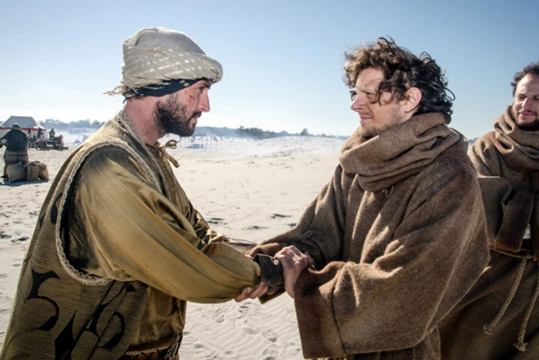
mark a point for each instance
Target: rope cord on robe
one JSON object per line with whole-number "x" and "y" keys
{"x": 488, "y": 329}
{"x": 521, "y": 345}
{"x": 388, "y": 191}
{"x": 171, "y": 144}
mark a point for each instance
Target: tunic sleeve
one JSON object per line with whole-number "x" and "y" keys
{"x": 122, "y": 228}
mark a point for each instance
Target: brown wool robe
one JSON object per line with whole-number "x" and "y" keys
{"x": 398, "y": 237}
{"x": 507, "y": 161}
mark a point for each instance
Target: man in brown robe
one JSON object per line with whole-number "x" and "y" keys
{"x": 397, "y": 237}
{"x": 499, "y": 318}
{"x": 119, "y": 248}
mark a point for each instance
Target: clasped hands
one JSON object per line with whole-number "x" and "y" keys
{"x": 293, "y": 261}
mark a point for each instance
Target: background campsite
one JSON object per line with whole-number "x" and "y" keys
{"x": 27, "y": 123}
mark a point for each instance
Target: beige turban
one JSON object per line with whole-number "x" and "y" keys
{"x": 153, "y": 56}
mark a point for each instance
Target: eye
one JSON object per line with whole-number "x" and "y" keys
{"x": 201, "y": 88}
{"x": 353, "y": 94}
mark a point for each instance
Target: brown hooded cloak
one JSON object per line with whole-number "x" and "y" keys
{"x": 499, "y": 318}
{"x": 398, "y": 237}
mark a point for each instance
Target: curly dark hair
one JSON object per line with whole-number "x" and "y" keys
{"x": 402, "y": 70}
{"x": 533, "y": 69}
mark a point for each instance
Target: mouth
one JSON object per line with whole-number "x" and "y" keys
{"x": 364, "y": 117}
{"x": 527, "y": 113}
{"x": 194, "y": 118}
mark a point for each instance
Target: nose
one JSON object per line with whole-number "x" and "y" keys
{"x": 357, "y": 103}
{"x": 204, "y": 102}
{"x": 526, "y": 104}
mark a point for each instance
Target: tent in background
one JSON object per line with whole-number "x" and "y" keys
{"x": 27, "y": 124}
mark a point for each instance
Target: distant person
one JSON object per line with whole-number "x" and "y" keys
{"x": 32, "y": 141}
{"x": 52, "y": 134}
{"x": 499, "y": 318}
{"x": 398, "y": 234}
{"x": 40, "y": 134}
{"x": 16, "y": 143}
{"x": 119, "y": 249}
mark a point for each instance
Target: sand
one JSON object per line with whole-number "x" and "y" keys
{"x": 246, "y": 189}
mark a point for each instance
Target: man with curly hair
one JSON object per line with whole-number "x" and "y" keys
{"x": 499, "y": 318}
{"x": 397, "y": 236}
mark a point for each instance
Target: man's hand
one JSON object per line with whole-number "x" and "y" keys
{"x": 294, "y": 262}
{"x": 248, "y": 292}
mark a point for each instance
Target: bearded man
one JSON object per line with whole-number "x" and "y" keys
{"x": 397, "y": 236}
{"x": 499, "y": 318}
{"x": 119, "y": 248}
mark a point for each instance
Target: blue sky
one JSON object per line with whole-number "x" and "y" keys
{"x": 282, "y": 60}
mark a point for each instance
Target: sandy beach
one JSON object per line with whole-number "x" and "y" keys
{"x": 249, "y": 189}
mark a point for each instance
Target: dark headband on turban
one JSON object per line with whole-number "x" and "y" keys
{"x": 164, "y": 88}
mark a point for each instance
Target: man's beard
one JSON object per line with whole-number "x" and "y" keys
{"x": 368, "y": 134}
{"x": 533, "y": 126}
{"x": 171, "y": 117}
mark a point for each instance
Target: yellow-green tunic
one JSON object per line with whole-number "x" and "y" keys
{"x": 117, "y": 251}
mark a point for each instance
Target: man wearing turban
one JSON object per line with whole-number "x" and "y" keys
{"x": 119, "y": 248}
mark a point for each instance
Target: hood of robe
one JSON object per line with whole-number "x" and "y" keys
{"x": 399, "y": 152}
{"x": 519, "y": 148}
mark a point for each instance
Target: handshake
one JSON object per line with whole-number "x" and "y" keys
{"x": 281, "y": 270}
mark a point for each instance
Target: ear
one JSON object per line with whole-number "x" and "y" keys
{"x": 413, "y": 98}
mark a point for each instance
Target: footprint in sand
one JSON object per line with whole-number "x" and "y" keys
{"x": 202, "y": 349}
{"x": 215, "y": 221}
{"x": 271, "y": 336}
{"x": 275, "y": 216}
{"x": 255, "y": 227}
{"x": 244, "y": 310}
{"x": 250, "y": 331}
{"x": 271, "y": 353}
{"x": 249, "y": 310}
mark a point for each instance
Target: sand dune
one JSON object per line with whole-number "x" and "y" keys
{"x": 246, "y": 189}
